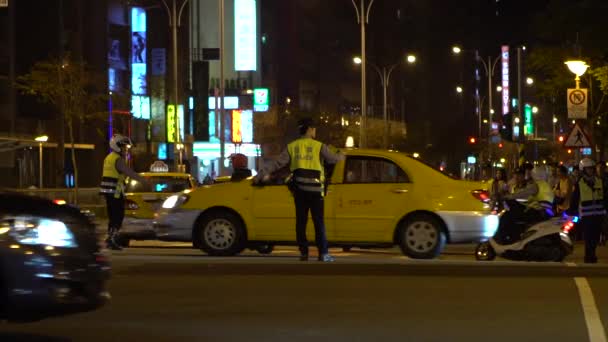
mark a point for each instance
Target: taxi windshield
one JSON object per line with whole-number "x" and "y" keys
{"x": 159, "y": 184}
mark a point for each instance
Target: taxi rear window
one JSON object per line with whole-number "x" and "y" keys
{"x": 159, "y": 184}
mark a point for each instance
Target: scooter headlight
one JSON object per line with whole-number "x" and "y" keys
{"x": 31, "y": 230}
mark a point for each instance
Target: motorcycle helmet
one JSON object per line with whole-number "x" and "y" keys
{"x": 118, "y": 141}
{"x": 239, "y": 161}
{"x": 586, "y": 162}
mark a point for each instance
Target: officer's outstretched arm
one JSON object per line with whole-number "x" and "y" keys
{"x": 122, "y": 167}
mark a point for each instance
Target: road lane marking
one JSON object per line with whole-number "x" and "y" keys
{"x": 570, "y": 264}
{"x": 595, "y": 329}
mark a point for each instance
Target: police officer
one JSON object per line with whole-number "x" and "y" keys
{"x": 305, "y": 157}
{"x": 589, "y": 194}
{"x": 115, "y": 170}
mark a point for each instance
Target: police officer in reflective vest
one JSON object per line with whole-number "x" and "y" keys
{"x": 305, "y": 157}
{"x": 589, "y": 194}
{"x": 115, "y": 170}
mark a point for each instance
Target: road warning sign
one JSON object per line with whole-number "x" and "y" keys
{"x": 577, "y": 103}
{"x": 577, "y": 138}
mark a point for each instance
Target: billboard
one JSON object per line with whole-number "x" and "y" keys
{"x": 505, "y": 79}
{"x": 261, "y": 99}
{"x": 245, "y": 35}
{"x": 140, "y": 107}
{"x": 138, "y": 51}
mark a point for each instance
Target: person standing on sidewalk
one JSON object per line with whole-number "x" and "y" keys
{"x": 589, "y": 194}
{"x": 305, "y": 157}
{"x": 115, "y": 171}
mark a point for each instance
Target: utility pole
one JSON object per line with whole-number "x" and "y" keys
{"x": 174, "y": 22}
{"x": 363, "y": 19}
{"x": 222, "y": 92}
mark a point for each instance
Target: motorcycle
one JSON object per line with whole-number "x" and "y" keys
{"x": 548, "y": 240}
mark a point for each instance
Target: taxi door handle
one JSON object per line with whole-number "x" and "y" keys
{"x": 400, "y": 191}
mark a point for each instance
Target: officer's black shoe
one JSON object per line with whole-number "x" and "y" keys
{"x": 326, "y": 258}
{"x": 304, "y": 257}
{"x": 111, "y": 244}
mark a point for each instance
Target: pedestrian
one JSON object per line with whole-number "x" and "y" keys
{"x": 305, "y": 157}
{"x": 562, "y": 190}
{"x": 115, "y": 171}
{"x": 603, "y": 175}
{"x": 499, "y": 188}
{"x": 239, "y": 167}
{"x": 589, "y": 194}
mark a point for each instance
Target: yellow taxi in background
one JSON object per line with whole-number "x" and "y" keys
{"x": 375, "y": 198}
{"x": 143, "y": 200}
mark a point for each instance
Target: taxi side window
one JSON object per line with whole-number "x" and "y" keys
{"x": 359, "y": 170}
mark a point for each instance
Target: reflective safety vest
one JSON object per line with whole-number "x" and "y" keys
{"x": 591, "y": 200}
{"x": 112, "y": 181}
{"x": 305, "y": 155}
{"x": 544, "y": 197}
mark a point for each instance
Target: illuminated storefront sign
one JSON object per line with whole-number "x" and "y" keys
{"x": 180, "y": 117}
{"x": 140, "y": 107}
{"x": 209, "y": 150}
{"x": 237, "y": 135}
{"x": 261, "y": 99}
{"x": 505, "y": 79}
{"x": 245, "y": 35}
{"x": 171, "y": 123}
{"x": 247, "y": 126}
{"x": 232, "y": 102}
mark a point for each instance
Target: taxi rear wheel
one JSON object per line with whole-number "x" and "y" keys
{"x": 422, "y": 237}
{"x": 220, "y": 234}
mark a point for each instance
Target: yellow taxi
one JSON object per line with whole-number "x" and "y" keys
{"x": 375, "y": 198}
{"x": 143, "y": 200}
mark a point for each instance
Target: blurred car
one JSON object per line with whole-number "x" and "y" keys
{"x": 50, "y": 260}
{"x": 375, "y": 199}
{"x": 143, "y": 200}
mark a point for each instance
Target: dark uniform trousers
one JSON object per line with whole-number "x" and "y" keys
{"x": 306, "y": 201}
{"x": 592, "y": 229}
{"x": 116, "y": 212}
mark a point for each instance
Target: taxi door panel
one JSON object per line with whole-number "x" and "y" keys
{"x": 274, "y": 215}
{"x": 374, "y": 195}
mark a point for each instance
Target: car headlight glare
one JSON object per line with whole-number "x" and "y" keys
{"x": 38, "y": 231}
{"x": 174, "y": 201}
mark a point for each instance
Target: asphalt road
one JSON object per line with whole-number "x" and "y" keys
{"x": 177, "y": 294}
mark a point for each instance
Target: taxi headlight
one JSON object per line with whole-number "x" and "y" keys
{"x": 175, "y": 201}
{"x": 31, "y": 230}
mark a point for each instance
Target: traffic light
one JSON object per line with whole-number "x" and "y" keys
{"x": 506, "y": 127}
{"x": 472, "y": 140}
{"x": 560, "y": 138}
{"x": 500, "y": 145}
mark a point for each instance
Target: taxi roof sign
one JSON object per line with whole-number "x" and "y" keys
{"x": 159, "y": 166}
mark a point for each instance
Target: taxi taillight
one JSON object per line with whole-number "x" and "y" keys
{"x": 131, "y": 205}
{"x": 481, "y": 195}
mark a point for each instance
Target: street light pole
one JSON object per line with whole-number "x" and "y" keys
{"x": 174, "y": 22}
{"x": 41, "y": 139}
{"x": 363, "y": 19}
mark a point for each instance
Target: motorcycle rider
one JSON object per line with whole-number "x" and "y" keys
{"x": 537, "y": 198}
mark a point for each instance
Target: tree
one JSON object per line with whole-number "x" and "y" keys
{"x": 77, "y": 92}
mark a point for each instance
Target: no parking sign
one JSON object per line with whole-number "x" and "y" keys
{"x": 577, "y": 103}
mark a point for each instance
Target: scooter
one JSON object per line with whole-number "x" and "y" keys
{"x": 544, "y": 241}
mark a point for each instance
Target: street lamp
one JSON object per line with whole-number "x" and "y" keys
{"x": 362, "y": 18}
{"x": 529, "y": 81}
{"x": 534, "y": 109}
{"x": 175, "y": 18}
{"x": 40, "y": 139}
{"x": 578, "y": 68}
{"x": 459, "y": 89}
{"x": 385, "y": 76}
{"x": 498, "y": 89}
{"x": 456, "y": 50}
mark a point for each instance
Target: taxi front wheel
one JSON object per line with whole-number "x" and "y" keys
{"x": 220, "y": 233}
{"x": 422, "y": 237}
